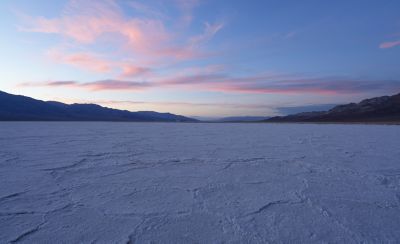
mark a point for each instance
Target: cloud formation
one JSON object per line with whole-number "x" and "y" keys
{"x": 262, "y": 84}
{"x": 86, "y": 61}
{"x": 323, "y": 85}
{"x": 101, "y": 85}
{"x": 209, "y": 32}
{"x": 389, "y": 44}
{"x": 148, "y": 39}
{"x": 95, "y": 63}
{"x": 86, "y": 21}
{"x": 145, "y": 45}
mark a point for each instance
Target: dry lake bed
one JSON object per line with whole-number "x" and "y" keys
{"x": 199, "y": 183}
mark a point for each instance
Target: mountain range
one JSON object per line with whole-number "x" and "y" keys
{"x": 22, "y": 108}
{"x": 378, "y": 109}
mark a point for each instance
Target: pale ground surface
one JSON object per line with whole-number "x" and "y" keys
{"x": 199, "y": 183}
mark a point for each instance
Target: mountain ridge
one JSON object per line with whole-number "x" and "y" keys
{"x": 23, "y": 108}
{"x": 377, "y": 109}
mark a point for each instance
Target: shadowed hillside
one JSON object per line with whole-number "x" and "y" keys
{"x": 379, "y": 109}
{"x": 21, "y": 108}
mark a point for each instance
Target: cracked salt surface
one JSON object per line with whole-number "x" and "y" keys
{"x": 199, "y": 183}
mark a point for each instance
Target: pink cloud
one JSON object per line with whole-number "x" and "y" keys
{"x": 82, "y": 21}
{"x": 263, "y": 84}
{"x": 143, "y": 43}
{"x": 140, "y": 34}
{"x": 130, "y": 71}
{"x": 95, "y": 85}
{"x": 86, "y": 61}
{"x": 389, "y": 44}
{"x": 85, "y": 22}
{"x": 95, "y": 63}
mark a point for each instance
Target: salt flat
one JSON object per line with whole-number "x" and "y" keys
{"x": 199, "y": 183}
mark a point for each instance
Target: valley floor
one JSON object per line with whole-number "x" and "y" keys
{"x": 199, "y": 183}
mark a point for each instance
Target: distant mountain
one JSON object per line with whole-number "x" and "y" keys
{"x": 21, "y": 108}
{"x": 302, "y": 109}
{"x": 379, "y": 109}
{"x": 241, "y": 119}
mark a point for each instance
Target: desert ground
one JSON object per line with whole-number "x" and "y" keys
{"x": 84, "y": 182}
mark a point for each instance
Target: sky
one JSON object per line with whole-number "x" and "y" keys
{"x": 210, "y": 58}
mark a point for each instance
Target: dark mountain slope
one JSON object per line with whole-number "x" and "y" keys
{"x": 379, "y": 109}
{"x": 21, "y": 108}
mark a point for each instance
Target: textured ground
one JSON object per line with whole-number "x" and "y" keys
{"x": 199, "y": 183}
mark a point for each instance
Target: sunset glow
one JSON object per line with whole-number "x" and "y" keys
{"x": 198, "y": 57}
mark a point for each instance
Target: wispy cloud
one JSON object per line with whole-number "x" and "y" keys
{"x": 142, "y": 39}
{"x": 143, "y": 44}
{"x": 282, "y": 84}
{"x": 86, "y": 21}
{"x": 209, "y": 32}
{"x": 94, "y": 86}
{"x": 262, "y": 84}
{"x": 52, "y": 83}
{"x": 98, "y": 64}
{"x": 146, "y": 10}
{"x": 391, "y": 44}
{"x": 322, "y": 85}
{"x": 115, "y": 85}
{"x": 86, "y": 61}
{"x": 131, "y": 71}
{"x": 386, "y": 45}
{"x": 302, "y": 85}
{"x": 186, "y": 7}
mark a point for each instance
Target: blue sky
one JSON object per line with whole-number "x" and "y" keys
{"x": 200, "y": 57}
